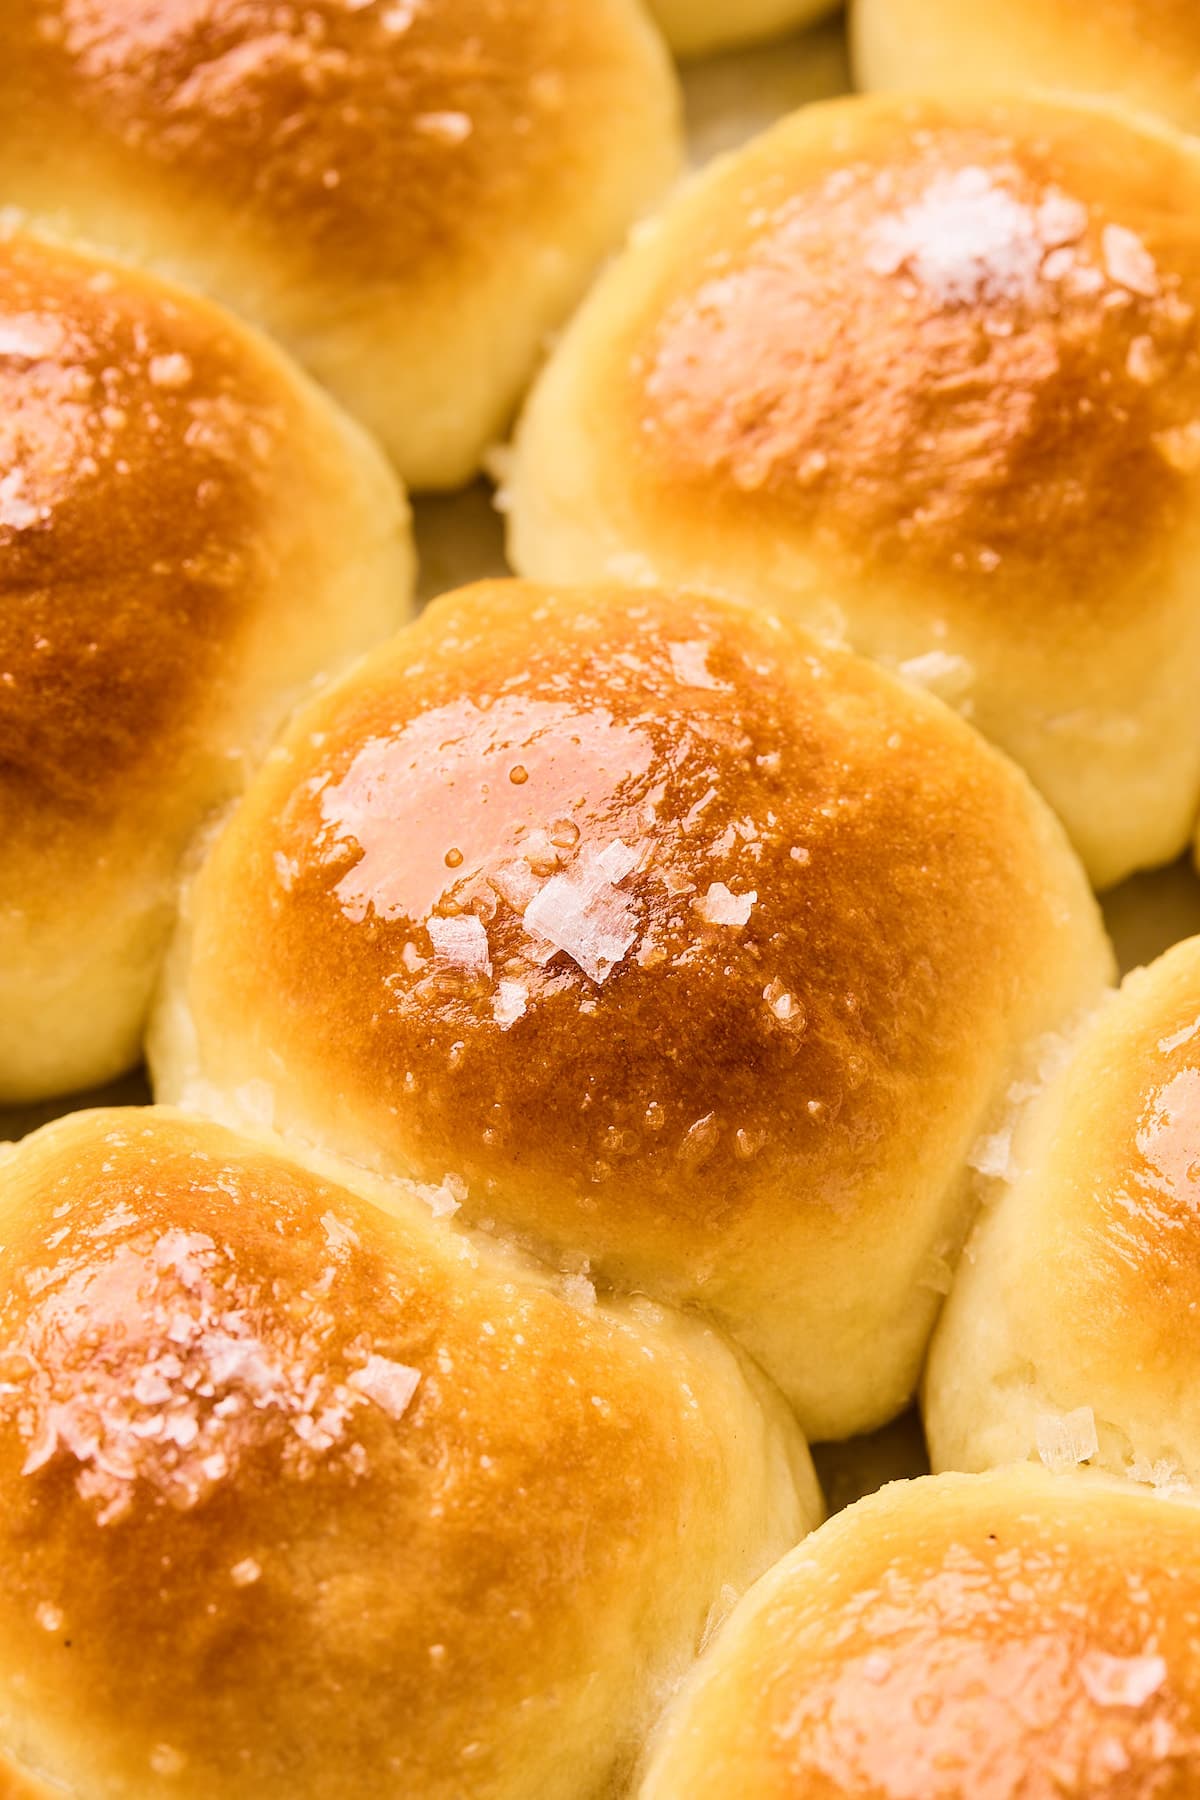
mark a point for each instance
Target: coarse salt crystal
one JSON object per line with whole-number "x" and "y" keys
{"x": 1178, "y": 1039}
{"x": 391, "y": 1385}
{"x": 1066, "y": 1439}
{"x": 1163, "y": 1475}
{"x": 510, "y": 1002}
{"x": 339, "y": 1236}
{"x": 461, "y": 941}
{"x": 173, "y": 370}
{"x": 446, "y": 127}
{"x": 965, "y": 239}
{"x": 581, "y": 912}
{"x": 940, "y": 670}
{"x": 689, "y": 664}
{"x": 720, "y": 906}
{"x": 992, "y": 1155}
{"x": 1121, "y": 1680}
{"x": 1128, "y": 261}
{"x": 579, "y": 1290}
{"x": 441, "y": 1197}
{"x": 617, "y": 860}
{"x": 16, "y": 511}
{"x": 1180, "y": 447}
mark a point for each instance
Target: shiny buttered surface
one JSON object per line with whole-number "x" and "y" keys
{"x": 408, "y": 195}
{"x": 925, "y": 374}
{"x": 1144, "y": 51}
{"x": 697, "y": 953}
{"x": 699, "y": 27}
{"x": 303, "y": 1492}
{"x": 964, "y": 1638}
{"x": 189, "y": 534}
{"x": 1071, "y": 1330}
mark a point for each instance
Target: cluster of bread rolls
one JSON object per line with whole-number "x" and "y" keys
{"x": 641, "y": 1017}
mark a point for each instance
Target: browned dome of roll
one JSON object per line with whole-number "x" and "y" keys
{"x": 189, "y": 532}
{"x": 964, "y": 1637}
{"x": 692, "y": 948}
{"x": 407, "y": 193}
{"x": 305, "y": 1496}
{"x": 926, "y": 373}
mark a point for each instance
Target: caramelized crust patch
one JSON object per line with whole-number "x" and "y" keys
{"x": 135, "y": 439}
{"x": 941, "y": 344}
{"x": 373, "y": 133}
{"x": 639, "y": 895}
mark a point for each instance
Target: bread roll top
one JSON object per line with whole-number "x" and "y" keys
{"x": 306, "y": 1495}
{"x": 959, "y": 1636}
{"x": 695, "y": 949}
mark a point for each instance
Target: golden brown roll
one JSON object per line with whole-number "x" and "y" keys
{"x": 1146, "y": 53}
{"x": 1071, "y": 1329}
{"x": 924, "y": 373}
{"x": 699, "y": 27}
{"x": 306, "y": 1495}
{"x": 958, "y": 1637}
{"x": 408, "y": 194}
{"x": 697, "y": 953}
{"x": 189, "y": 533}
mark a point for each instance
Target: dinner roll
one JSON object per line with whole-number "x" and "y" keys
{"x": 926, "y": 373}
{"x": 189, "y": 532}
{"x": 1071, "y": 1332}
{"x": 409, "y": 194}
{"x": 698, "y": 27}
{"x": 1150, "y": 54}
{"x": 959, "y": 1637}
{"x": 306, "y": 1495}
{"x": 698, "y": 953}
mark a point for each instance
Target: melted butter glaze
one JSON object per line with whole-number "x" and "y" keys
{"x": 962, "y": 344}
{"x": 134, "y": 442}
{"x": 1016, "y": 1638}
{"x": 370, "y": 133}
{"x": 632, "y": 895}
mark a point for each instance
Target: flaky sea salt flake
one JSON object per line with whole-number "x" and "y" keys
{"x": 509, "y": 1003}
{"x": 461, "y": 941}
{"x": 1066, "y": 1439}
{"x": 391, "y": 1385}
{"x": 720, "y": 906}
{"x": 581, "y": 912}
{"x": 1121, "y": 1680}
